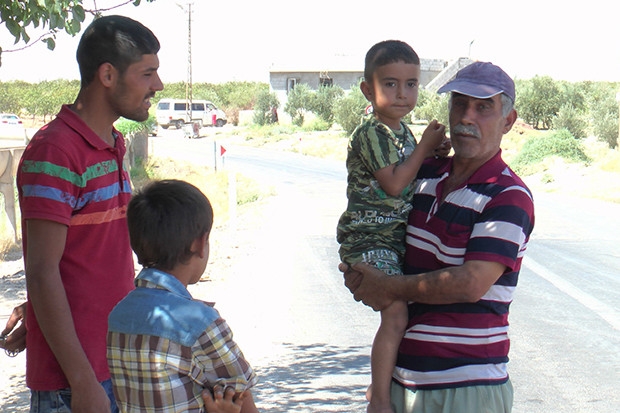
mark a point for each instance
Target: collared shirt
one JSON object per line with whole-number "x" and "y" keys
{"x": 164, "y": 348}
{"x": 70, "y": 176}
{"x": 489, "y": 218}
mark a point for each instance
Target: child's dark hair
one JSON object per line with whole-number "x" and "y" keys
{"x": 117, "y": 40}
{"x": 164, "y": 219}
{"x": 386, "y": 52}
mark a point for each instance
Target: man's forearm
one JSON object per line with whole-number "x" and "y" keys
{"x": 459, "y": 284}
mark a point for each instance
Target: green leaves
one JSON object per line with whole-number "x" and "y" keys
{"x": 56, "y": 15}
{"x": 51, "y": 43}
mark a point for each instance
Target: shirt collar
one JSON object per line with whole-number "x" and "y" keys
{"x": 153, "y": 278}
{"x": 76, "y": 123}
{"x": 487, "y": 173}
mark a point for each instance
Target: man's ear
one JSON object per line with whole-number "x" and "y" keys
{"x": 107, "y": 74}
{"x": 366, "y": 90}
{"x": 510, "y": 120}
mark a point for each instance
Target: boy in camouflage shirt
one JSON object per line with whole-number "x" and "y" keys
{"x": 382, "y": 162}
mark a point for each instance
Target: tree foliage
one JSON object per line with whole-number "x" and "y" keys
{"x": 53, "y": 16}
{"x": 538, "y": 101}
{"x": 323, "y": 101}
{"x": 299, "y": 101}
{"x": 604, "y": 113}
{"x": 432, "y": 106}
{"x": 350, "y": 109}
{"x": 265, "y": 102}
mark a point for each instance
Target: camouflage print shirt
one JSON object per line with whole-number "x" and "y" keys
{"x": 373, "y": 219}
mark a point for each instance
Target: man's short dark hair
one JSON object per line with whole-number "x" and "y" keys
{"x": 386, "y": 52}
{"x": 164, "y": 219}
{"x": 117, "y": 40}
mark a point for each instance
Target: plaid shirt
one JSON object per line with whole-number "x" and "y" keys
{"x": 164, "y": 348}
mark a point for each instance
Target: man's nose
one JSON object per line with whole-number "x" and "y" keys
{"x": 157, "y": 84}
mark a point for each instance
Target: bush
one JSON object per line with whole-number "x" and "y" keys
{"x": 129, "y": 127}
{"x": 432, "y": 106}
{"x": 349, "y": 109}
{"x": 604, "y": 113}
{"x": 265, "y": 101}
{"x": 299, "y": 101}
{"x": 323, "y": 101}
{"x": 559, "y": 143}
{"x": 572, "y": 120}
{"x": 317, "y": 125}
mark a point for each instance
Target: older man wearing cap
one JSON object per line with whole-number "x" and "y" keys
{"x": 470, "y": 224}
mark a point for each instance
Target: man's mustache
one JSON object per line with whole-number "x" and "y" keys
{"x": 466, "y": 130}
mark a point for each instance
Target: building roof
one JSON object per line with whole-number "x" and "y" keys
{"x": 341, "y": 64}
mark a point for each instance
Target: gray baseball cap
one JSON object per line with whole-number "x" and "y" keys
{"x": 481, "y": 80}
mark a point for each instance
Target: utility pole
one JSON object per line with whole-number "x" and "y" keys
{"x": 618, "y": 100}
{"x": 189, "y": 92}
{"x": 188, "y": 86}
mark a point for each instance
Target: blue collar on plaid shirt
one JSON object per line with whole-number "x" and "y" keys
{"x": 166, "y": 305}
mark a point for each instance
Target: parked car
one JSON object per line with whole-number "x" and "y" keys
{"x": 11, "y": 127}
{"x": 174, "y": 112}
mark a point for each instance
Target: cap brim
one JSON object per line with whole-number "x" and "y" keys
{"x": 475, "y": 90}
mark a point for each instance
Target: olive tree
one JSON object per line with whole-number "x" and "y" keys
{"x": 538, "y": 101}
{"x": 349, "y": 109}
{"x": 323, "y": 102}
{"x": 298, "y": 103}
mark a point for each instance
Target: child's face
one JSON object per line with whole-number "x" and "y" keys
{"x": 393, "y": 91}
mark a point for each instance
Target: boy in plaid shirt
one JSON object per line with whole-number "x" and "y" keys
{"x": 164, "y": 347}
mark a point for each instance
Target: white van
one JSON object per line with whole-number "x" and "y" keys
{"x": 174, "y": 112}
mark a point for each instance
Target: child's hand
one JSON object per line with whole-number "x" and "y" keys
{"x": 222, "y": 401}
{"x": 433, "y": 137}
{"x": 443, "y": 149}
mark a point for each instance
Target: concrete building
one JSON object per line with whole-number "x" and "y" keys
{"x": 347, "y": 72}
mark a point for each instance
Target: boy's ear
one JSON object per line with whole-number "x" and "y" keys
{"x": 200, "y": 246}
{"x": 366, "y": 90}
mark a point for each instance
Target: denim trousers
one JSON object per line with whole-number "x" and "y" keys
{"x": 59, "y": 401}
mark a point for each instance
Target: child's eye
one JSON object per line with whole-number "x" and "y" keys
{"x": 390, "y": 84}
{"x": 412, "y": 84}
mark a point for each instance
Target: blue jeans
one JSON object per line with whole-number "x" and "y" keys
{"x": 59, "y": 401}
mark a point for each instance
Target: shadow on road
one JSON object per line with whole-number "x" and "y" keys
{"x": 315, "y": 378}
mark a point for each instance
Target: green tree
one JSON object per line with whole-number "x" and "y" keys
{"x": 11, "y": 96}
{"x": 432, "y": 106}
{"x": 265, "y": 101}
{"x": 298, "y": 103}
{"x": 538, "y": 101}
{"x": 571, "y": 119}
{"x": 58, "y": 15}
{"x": 239, "y": 94}
{"x": 349, "y": 109}
{"x": 323, "y": 101}
{"x": 604, "y": 113}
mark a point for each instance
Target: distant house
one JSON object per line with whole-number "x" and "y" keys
{"x": 345, "y": 72}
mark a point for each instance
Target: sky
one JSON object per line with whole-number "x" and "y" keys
{"x": 241, "y": 39}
